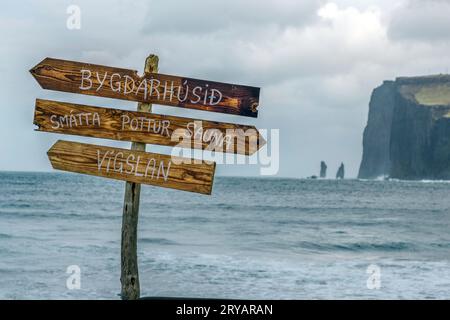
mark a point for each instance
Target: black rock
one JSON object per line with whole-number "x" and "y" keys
{"x": 340, "y": 174}
{"x": 323, "y": 169}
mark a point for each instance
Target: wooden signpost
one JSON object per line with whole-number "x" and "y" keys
{"x": 129, "y": 270}
{"x": 125, "y": 84}
{"x": 75, "y": 119}
{"x": 132, "y": 165}
{"x": 136, "y": 166}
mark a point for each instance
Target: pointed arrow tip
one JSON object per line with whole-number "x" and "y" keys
{"x": 36, "y": 67}
{"x": 253, "y": 148}
{"x": 53, "y": 147}
{"x": 261, "y": 142}
{"x": 35, "y": 70}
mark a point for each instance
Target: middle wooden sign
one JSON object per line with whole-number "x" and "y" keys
{"x": 122, "y": 125}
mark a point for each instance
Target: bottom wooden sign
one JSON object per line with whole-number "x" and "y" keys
{"x": 134, "y": 166}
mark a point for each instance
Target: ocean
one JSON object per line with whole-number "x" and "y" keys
{"x": 254, "y": 238}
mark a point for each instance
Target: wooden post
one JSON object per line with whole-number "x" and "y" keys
{"x": 129, "y": 264}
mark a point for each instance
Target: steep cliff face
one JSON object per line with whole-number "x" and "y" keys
{"x": 408, "y": 130}
{"x": 377, "y": 134}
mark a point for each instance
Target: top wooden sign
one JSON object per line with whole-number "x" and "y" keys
{"x": 125, "y": 84}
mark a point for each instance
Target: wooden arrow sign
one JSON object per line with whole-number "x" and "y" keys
{"x": 134, "y": 166}
{"x": 125, "y": 84}
{"x": 69, "y": 118}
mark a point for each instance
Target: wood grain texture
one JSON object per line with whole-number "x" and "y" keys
{"x": 107, "y": 123}
{"x": 134, "y": 166}
{"x": 125, "y": 84}
{"x": 129, "y": 271}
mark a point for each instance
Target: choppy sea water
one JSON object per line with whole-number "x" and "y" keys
{"x": 253, "y": 238}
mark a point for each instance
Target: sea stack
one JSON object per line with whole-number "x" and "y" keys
{"x": 341, "y": 172}
{"x": 323, "y": 169}
{"x": 408, "y": 130}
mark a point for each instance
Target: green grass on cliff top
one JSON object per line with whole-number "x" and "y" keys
{"x": 434, "y": 95}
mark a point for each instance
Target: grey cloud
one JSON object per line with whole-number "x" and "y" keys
{"x": 315, "y": 74}
{"x": 203, "y": 16}
{"x": 421, "y": 20}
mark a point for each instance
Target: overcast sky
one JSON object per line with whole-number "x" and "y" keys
{"x": 316, "y": 62}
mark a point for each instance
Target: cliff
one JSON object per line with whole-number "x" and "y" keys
{"x": 408, "y": 130}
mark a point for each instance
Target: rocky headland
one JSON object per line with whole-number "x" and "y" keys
{"x": 408, "y": 130}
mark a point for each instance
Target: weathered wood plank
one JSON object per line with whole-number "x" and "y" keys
{"x": 125, "y": 84}
{"x": 134, "y": 166}
{"x": 75, "y": 119}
